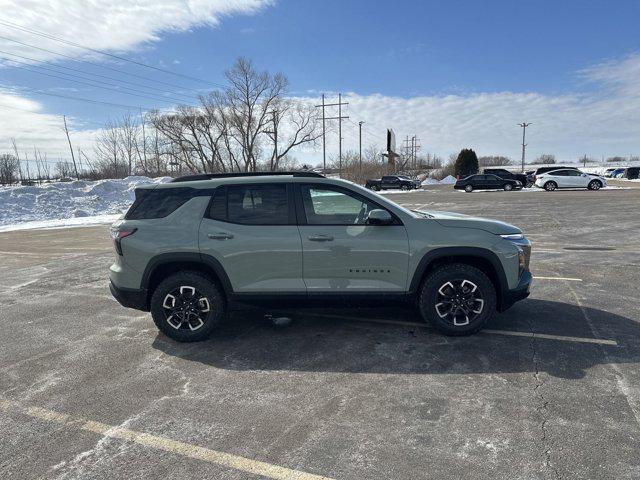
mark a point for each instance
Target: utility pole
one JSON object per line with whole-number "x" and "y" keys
{"x": 360, "y": 146}
{"x": 73, "y": 158}
{"x": 324, "y": 145}
{"x": 524, "y": 126}
{"x": 340, "y": 117}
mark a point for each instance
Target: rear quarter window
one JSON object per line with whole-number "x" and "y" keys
{"x": 158, "y": 203}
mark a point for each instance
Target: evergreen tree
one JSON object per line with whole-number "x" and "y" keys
{"x": 466, "y": 163}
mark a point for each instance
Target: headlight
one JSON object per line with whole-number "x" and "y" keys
{"x": 524, "y": 250}
{"x": 513, "y": 236}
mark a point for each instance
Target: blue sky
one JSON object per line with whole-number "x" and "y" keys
{"x": 455, "y": 73}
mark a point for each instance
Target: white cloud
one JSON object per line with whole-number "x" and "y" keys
{"x": 602, "y": 121}
{"x": 114, "y": 25}
{"x": 595, "y": 121}
{"x": 24, "y": 120}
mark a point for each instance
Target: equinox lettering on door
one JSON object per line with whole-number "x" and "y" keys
{"x": 369, "y": 270}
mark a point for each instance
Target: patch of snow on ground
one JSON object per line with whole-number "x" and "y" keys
{"x": 68, "y": 203}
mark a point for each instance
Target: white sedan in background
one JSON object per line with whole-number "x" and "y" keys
{"x": 569, "y": 178}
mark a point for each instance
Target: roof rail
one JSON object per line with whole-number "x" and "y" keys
{"x": 211, "y": 176}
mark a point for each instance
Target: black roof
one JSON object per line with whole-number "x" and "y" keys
{"x": 210, "y": 176}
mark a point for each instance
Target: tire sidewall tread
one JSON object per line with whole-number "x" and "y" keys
{"x": 428, "y": 290}
{"x": 203, "y": 284}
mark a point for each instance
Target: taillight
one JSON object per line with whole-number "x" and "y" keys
{"x": 118, "y": 233}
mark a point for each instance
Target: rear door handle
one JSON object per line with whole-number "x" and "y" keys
{"x": 220, "y": 236}
{"x": 321, "y": 238}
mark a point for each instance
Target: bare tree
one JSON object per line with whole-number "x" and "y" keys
{"x": 128, "y": 137}
{"x": 545, "y": 158}
{"x": 107, "y": 151}
{"x": 233, "y": 129}
{"x": 9, "y": 167}
{"x": 494, "y": 161}
{"x": 65, "y": 169}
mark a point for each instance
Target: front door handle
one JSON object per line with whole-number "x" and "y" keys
{"x": 220, "y": 236}
{"x": 321, "y": 238}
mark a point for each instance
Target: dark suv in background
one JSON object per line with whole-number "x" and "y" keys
{"x": 393, "y": 182}
{"x": 486, "y": 182}
{"x": 523, "y": 178}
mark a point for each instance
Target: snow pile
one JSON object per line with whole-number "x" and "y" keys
{"x": 448, "y": 180}
{"x": 429, "y": 181}
{"x": 66, "y": 200}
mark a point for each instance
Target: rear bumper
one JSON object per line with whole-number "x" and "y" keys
{"x": 521, "y": 292}
{"x": 129, "y": 298}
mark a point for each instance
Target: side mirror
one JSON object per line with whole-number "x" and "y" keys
{"x": 379, "y": 217}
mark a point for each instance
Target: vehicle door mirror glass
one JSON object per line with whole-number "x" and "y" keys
{"x": 379, "y": 217}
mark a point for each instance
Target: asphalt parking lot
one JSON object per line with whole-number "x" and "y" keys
{"x": 550, "y": 390}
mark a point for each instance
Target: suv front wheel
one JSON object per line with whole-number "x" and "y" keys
{"x": 457, "y": 299}
{"x": 187, "y": 306}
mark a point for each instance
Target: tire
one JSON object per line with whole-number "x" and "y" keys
{"x": 529, "y": 185}
{"x": 404, "y": 187}
{"x": 508, "y": 187}
{"x": 468, "y": 188}
{"x": 594, "y": 185}
{"x": 470, "y": 317}
{"x": 197, "y": 319}
{"x": 550, "y": 186}
{"x": 375, "y": 188}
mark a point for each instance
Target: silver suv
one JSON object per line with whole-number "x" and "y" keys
{"x": 187, "y": 250}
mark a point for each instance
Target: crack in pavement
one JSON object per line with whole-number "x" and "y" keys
{"x": 542, "y": 408}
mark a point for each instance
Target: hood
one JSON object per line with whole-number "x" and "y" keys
{"x": 459, "y": 220}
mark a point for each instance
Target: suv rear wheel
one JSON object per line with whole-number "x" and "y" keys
{"x": 550, "y": 186}
{"x": 187, "y": 306}
{"x": 457, "y": 299}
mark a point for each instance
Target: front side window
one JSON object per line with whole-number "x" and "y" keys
{"x": 327, "y": 206}
{"x": 259, "y": 204}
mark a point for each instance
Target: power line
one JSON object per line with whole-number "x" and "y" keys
{"x": 90, "y": 62}
{"x": 94, "y": 83}
{"x": 101, "y": 52}
{"x": 80, "y": 99}
{"x": 340, "y": 117}
{"x": 149, "y": 87}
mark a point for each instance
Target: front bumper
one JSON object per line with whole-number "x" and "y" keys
{"x": 130, "y": 298}
{"x": 522, "y": 291}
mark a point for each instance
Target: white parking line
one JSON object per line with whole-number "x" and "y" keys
{"x": 563, "y": 338}
{"x": 569, "y": 279}
{"x": 254, "y": 467}
{"x": 513, "y": 333}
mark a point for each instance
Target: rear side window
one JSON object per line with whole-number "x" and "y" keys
{"x": 158, "y": 203}
{"x": 258, "y": 204}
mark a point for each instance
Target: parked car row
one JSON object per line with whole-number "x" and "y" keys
{"x": 549, "y": 178}
{"x": 630, "y": 173}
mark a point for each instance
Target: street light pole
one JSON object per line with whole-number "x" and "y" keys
{"x": 524, "y": 126}
{"x": 360, "y": 142}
